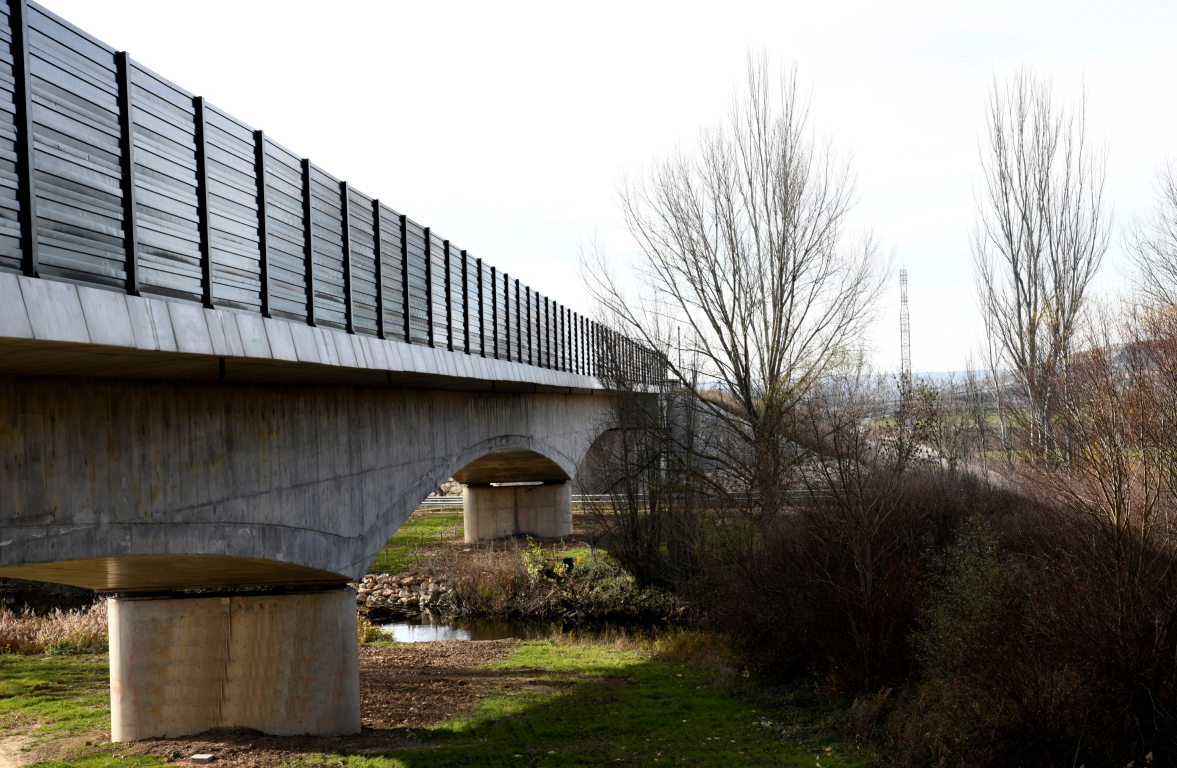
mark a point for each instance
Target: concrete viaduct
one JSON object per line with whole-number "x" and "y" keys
{"x": 221, "y": 368}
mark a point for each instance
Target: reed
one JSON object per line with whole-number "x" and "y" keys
{"x": 58, "y": 632}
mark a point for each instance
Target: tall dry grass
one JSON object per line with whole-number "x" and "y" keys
{"x": 56, "y": 632}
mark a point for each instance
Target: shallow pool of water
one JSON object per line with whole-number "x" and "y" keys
{"x": 428, "y": 627}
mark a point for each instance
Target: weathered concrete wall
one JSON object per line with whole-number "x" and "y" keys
{"x": 493, "y": 512}
{"x": 136, "y": 484}
{"x": 283, "y": 664}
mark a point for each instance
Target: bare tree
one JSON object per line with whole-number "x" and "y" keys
{"x": 1041, "y": 234}
{"x": 1152, "y": 243}
{"x": 744, "y": 245}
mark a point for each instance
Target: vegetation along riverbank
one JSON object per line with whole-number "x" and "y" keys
{"x": 681, "y": 699}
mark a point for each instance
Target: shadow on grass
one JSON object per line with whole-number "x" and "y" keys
{"x": 584, "y": 705}
{"x": 552, "y": 704}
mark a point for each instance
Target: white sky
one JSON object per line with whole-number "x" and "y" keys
{"x": 505, "y": 126}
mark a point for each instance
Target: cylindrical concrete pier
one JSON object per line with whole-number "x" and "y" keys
{"x": 283, "y": 664}
{"x": 491, "y": 512}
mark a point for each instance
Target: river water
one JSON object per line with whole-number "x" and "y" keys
{"x": 428, "y": 627}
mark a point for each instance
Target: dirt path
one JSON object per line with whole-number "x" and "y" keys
{"x": 10, "y": 754}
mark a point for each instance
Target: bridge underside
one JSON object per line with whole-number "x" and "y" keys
{"x": 134, "y": 484}
{"x": 154, "y": 573}
{"x": 511, "y": 465}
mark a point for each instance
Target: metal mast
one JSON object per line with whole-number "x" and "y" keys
{"x": 904, "y": 327}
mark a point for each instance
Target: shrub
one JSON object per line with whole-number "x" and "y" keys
{"x": 366, "y": 631}
{"x": 836, "y": 592}
{"x": 524, "y": 582}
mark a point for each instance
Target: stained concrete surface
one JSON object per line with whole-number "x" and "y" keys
{"x": 285, "y": 665}
{"x": 537, "y": 510}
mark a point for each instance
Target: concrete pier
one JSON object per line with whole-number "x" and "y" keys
{"x": 491, "y": 512}
{"x": 283, "y": 664}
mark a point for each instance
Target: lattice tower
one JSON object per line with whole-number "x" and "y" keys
{"x": 904, "y": 326}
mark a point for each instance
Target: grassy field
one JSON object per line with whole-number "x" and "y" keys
{"x": 610, "y": 705}
{"x": 56, "y": 702}
{"x": 411, "y": 544}
{"x": 421, "y": 536}
{"x": 619, "y": 707}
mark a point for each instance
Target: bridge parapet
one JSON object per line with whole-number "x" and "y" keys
{"x": 54, "y": 328}
{"x": 129, "y": 184}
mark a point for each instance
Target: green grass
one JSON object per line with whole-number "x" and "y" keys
{"x": 411, "y": 542}
{"x": 618, "y": 707}
{"x": 56, "y": 697}
{"x": 606, "y": 706}
{"x": 63, "y": 694}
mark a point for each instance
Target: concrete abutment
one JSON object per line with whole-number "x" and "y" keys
{"x": 491, "y": 512}
{"x": 284, "y": 664}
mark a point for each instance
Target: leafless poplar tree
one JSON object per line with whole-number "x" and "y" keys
{"x": 1152, "y": 243}
{"x": 1041, "y": 234}
{"x": 744, "y": 245}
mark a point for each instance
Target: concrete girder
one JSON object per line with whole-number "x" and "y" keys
{"x": 146, "y": 484}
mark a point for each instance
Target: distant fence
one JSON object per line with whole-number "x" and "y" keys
{"x": 791, "y": 497}
{"x": 456, "y": 501}
{"x": 112, "y": 176}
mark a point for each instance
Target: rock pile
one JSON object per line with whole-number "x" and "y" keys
{"x": 404, "y": 592}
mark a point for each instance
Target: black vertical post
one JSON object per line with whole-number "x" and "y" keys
{"x": 606, "y": 348}
{"x": 263, "y": 226}
{"x": 308, "y": 245}
{"x": 26, "y": 189}
{"x": 345, "y": 220}
{"x": 429, "y": 285}
{"x": 405, "y": 278}
{"x": 126, "y": 145}
{"x": 494, "y": 310}
{"x": 598, "y": 341}
{"x": 449, "y": 298}
{"x": 507, "y": 311}
{"x": 377, "y": 248}
{"x": 202, "y": 217}
{"x": 518, "y": 326}
{"x": 531, "y": 340}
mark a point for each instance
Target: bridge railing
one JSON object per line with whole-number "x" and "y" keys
{"x": 111, "y": 176}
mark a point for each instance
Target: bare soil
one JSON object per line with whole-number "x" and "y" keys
{"x": 403, "y": 690}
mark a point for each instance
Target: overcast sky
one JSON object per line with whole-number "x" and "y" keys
{"x": 506, "y": 126}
